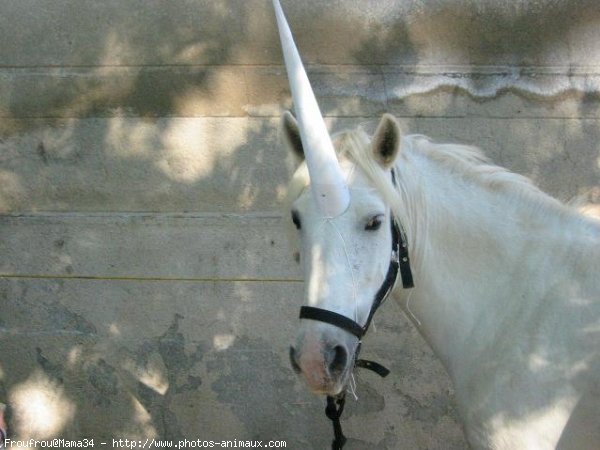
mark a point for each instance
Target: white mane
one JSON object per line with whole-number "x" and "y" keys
{"x": 408, "y": 199}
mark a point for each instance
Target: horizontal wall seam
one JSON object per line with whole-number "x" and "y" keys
{"x": 552, "y": 69}
{"x": 398, "y": 115}
{"x": 252, "y": 215}
{"x": 15, "y": 276}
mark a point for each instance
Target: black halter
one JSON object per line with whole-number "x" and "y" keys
{"x": 399, "y": 264}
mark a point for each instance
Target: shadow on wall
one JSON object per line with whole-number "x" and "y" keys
{"x": 129, "y": 124}
{"x": 451, "y": 32}
{"x": 128, "y": 164}
{"x": 126, "y": 86}
{"x": 519, "y": 124}
{"x": 521, "y": 33}
{"x": 105, "y": 146}
{"x": 135, "y": 372}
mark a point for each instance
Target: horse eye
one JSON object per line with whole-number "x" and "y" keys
{"x": 374, "y": 223}
{"x": 296, "y": 219}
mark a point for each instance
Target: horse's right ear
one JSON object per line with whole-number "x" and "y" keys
{"x": 385, "y": 144}
{"x": 291, "y": 135}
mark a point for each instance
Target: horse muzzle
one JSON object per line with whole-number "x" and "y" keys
{"x": 325, "y": 365}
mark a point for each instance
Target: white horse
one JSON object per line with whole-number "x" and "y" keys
{"x": 507, "y": 284}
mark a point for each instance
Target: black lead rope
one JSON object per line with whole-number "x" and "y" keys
{"x": 399, "y": 264}
{"x": 334, "y": 410}
{"x": 335, "y": 405}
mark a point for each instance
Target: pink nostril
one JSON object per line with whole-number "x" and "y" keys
{"x": 337, "y": 358}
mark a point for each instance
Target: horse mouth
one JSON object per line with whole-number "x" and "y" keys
{"x": 332, "y": 390}
{"x": 327, "y": 375}
{"x": 331, "y": 386}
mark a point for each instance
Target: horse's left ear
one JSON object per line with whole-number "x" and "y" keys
{"x": 291, "y": 134}
{"x": 385, "y": 144}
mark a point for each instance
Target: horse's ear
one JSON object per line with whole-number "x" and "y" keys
{"x": 385, "y": 144}
{"x": 291, "y": 135}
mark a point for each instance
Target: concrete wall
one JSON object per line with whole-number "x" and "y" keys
{"x": 146, "y": 288}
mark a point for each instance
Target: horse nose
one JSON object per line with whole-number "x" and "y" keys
{"x": 336, "y": 359}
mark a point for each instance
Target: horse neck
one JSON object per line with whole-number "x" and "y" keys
{"x": 475, "y": 251}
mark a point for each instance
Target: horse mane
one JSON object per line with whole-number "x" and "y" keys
{"x": 408, "y": 200}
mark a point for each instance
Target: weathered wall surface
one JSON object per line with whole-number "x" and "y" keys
{"x": 146, "y": 288}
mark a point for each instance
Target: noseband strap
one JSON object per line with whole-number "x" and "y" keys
{"x": 399, "y": 264}
{"x": 340, "y": 321}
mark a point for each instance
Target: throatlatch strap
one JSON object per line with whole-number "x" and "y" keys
{"x": 404, "y": 262}
{"x": 401, "y": 246}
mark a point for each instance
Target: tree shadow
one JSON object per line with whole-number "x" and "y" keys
{"x": 116, "y": 120}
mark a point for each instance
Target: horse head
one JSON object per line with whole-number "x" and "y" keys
{"x": 343, "y": 224}
{"x": 345, "y": 258}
